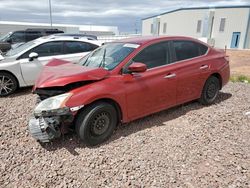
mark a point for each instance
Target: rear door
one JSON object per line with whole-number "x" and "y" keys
{"x": 155, "y": 89}
{"x": 192, "y": 68}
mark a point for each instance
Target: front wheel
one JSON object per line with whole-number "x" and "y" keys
{"x": 96, "y": 123}
{"x": 8, "y": 84}
{"x": 210, "y": 90}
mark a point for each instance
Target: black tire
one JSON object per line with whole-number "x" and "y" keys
{"x": 96, "y": 123}
{"x": 210, "y": 91}
{"x": 8, "y": 84}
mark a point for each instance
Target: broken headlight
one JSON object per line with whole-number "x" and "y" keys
{"x": 52, "y": 103}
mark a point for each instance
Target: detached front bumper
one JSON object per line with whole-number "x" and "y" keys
{"x": 49, "y": 125}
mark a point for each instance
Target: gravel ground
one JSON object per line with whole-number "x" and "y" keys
{"x": 186, "y": 146}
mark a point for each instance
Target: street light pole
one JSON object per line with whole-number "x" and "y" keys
{"x": 50, "y": 13}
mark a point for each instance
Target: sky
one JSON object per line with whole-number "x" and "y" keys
{"x": 126, "y": 14}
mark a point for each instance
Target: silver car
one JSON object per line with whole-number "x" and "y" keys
{"x": 21, "y": 66}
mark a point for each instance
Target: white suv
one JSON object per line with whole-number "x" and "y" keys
{"x": 21, "y": 66}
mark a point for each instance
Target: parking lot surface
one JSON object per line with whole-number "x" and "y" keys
{"x": 188, "y": 146}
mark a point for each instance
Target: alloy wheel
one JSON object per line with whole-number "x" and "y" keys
{"x": 6, "y": 85}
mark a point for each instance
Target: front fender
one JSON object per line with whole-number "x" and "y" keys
{"x": 96, "y": 91}
{"x": 15, "y": 69}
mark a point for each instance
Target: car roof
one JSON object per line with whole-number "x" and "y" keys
{"x": 147, "y": 39}
{"x": 50, "y": 38}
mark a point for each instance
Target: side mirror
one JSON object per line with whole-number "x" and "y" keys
{"x": 137, "y": 67}
{"x": 32, "y": 56}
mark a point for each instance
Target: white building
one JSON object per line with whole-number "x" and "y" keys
{"x": 7, "y": 26}
{"x": 219, "y": 26}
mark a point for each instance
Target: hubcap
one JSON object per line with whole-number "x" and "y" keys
{"x": 211, "y": 90}
{"x": 100, "y": 123}
{"x": 6, "y": 85}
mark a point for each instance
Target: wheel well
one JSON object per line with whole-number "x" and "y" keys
{"x": 113, "y": 103}
{"x": 8, "y": 72}
{"x": 217, "y": 75}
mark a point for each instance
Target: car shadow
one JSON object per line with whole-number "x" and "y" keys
{"x": 71, "y": 142}
{"x": 21, "y": 91}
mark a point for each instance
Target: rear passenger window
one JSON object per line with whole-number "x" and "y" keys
{"x": 78, "y": 47}
{"x": 154, "y": 55}
{"x": 188, "y": 49}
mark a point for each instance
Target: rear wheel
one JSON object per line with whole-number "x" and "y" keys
{"x": 96, "y": 123}
{"x": 8, "y": 84}
{"x": 210, "y": 90}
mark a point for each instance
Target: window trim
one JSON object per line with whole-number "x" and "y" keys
{"x": 181, "y": 61}
{"x": 172, "y": 55}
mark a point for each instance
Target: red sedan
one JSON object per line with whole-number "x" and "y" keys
{"x": 122, "y": 81}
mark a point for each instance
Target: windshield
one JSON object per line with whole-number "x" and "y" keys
{"x": 109, "y": 55}
{"x": 5, "y": 37}
{"x": 19, "y": 49}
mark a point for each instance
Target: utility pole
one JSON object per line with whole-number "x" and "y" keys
{"x": 50, "y": 14}
{"x": 136, "y": 29}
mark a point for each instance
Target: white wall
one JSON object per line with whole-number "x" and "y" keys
{"x": 146, "y": 26}
{"x": 236, "y": 21}
{"x": 184, "y": 23}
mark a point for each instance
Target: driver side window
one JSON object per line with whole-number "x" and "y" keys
{"x": 154, "y": 56}
{"x": 46, "y": 49}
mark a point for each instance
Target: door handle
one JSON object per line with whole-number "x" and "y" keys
{"x": 204, "y": 67}
{"x": 170, "y": 76}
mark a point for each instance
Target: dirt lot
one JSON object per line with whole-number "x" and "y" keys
{"x": 239, "y": 62}
{"x": 187, "y": 146}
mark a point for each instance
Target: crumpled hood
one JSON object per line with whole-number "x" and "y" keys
{"x": 60, "y": 73}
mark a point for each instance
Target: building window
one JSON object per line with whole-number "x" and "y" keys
{"x": 152, "y": 29}
{"x": 222, "y": 24}
{"x": 198, "y": 30}
{"x": 165, "y": 28}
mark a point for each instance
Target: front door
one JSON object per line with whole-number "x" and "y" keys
{"x": 46, "y": 52}
{"x": 155, "y": 89}
{"x": 235, "y": 40}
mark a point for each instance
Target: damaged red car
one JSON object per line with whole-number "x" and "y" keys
{"x": 122, "y": 81}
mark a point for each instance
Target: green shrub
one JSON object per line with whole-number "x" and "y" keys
{"x": 240, "y": 78}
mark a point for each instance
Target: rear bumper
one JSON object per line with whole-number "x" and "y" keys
{"x": 225, "y": 74}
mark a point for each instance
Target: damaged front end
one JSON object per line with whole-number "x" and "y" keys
{"x": 49, "y": 125}
{"x": 51, "y": 118}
